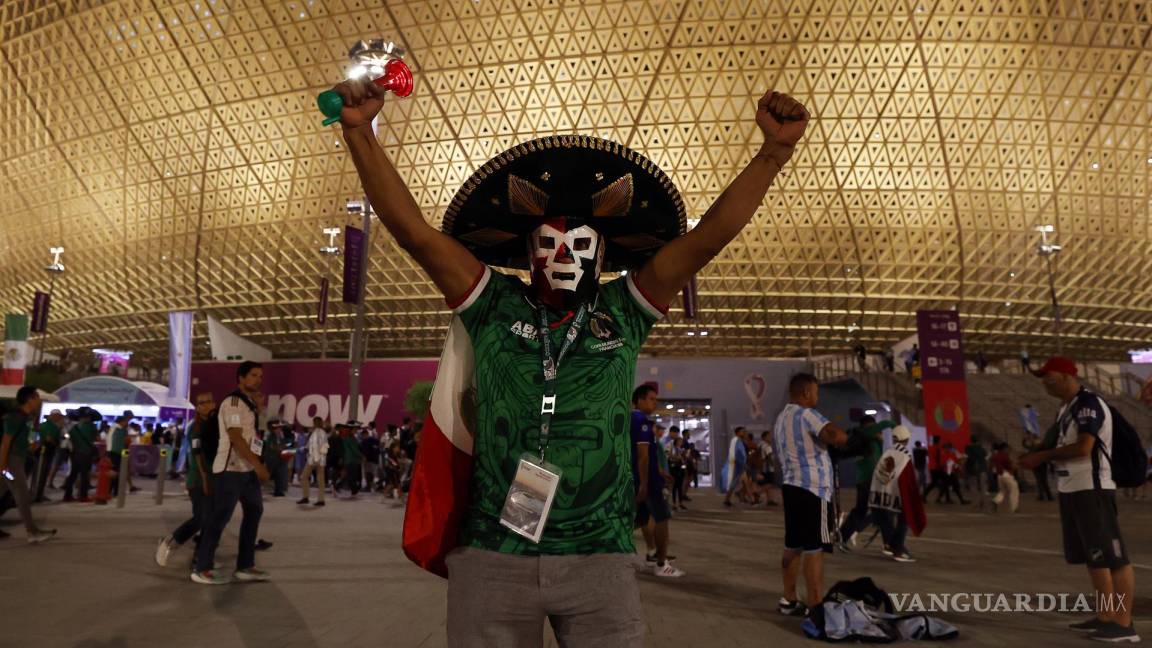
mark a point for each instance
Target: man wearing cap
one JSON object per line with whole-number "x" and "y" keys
{"x": 554, "y": 362}
{"x": 894, "y": 497}
{"x": 49, "y": 433}
{"x": 1087, "y": 498}
{"x": 13, "y": 450}
{"x": 82, "y": 436}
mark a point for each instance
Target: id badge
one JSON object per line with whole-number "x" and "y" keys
{"x": 530, "y": 498}
{"x": 257, "y": 446}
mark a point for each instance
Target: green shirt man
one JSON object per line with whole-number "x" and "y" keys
{"x": 49, "y": 433}
{"x": 594, "y": 505}
{"x": 17, "y": 426}
{"x": 193, "y": 479}
{"x": 866, "y": 464}
{"x": 116, "y": 439}
{"x": 83, "y": 435}
{"x": 352, "y": 453}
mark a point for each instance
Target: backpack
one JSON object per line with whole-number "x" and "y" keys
{"x": 210, "y": 439}
{"x": 1129, "y": 460}
{"x": 210, "y": 431}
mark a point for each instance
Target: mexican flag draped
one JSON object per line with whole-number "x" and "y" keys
{"x": 15, "y": 349}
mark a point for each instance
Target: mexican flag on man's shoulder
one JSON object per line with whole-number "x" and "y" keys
{"x": 15, "y": 349}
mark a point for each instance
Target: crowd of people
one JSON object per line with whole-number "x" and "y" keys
{"x": 1080, "y": 450}
{"x": 88, "y": 447}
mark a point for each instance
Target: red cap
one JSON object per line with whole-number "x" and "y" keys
{"x": 1059, "y": 365}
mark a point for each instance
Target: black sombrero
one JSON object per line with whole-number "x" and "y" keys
{"x": 618, "y": 192}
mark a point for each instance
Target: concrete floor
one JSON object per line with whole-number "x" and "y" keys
{"x": 341, "y": 580}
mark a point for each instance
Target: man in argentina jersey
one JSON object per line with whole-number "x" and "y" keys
{"x": 801, "y": 437}
{"x": 563, "y": 208}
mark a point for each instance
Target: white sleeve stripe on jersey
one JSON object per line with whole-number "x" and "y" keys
{"x": 474, "y": 292}
{"x": 642, "y": 300}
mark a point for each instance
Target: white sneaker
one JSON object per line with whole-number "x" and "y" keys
{"x": 164, "y": 550}
{"x": 209, "y": 578}
{"x": 41, "y": 536}
{"x": 251, "y": 575}
{"x": 667, "y": 571}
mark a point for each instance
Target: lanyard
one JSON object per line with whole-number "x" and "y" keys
{"x": 551, "y": 365}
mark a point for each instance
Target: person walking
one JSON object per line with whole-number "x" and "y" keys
{"x": 197, "y": 480}
{"x": 894, "y": 497}
{"x": 976, "y": 471}
{"x": 117, "y": 442}
{"x": 353, "y": 456}
{"x": 317, "y": 458}
{"x": 648, "y": 480}
{"x": 82, "y": 437}
{"x": 872, "y": 435}
{"x": 920, "y": 461}
{"x": 737, "y": 464}
{"x": 237, "y": 474}
{"x": 676, "y": 467}
{"x": 13, "y": 455}
{"x": 272, "y": 458}
{"x": 50, "y": 433}
{"x": 1007, "y": 488}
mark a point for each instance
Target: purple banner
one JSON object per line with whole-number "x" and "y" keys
{"x": 353, "y": 258}
{"x": 690, "y": 299}
{"x": 322, "y": 307}
{"x": 40, "y": 312}
{"x": 941, "y": 354}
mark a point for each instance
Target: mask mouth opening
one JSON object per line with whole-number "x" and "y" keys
{"x": 564, "y": 276}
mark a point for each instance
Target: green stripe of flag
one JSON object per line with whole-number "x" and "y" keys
{"x": 15, "y": 326}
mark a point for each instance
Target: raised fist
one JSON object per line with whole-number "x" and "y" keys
{"x": 362, "y": 101}
{"x": 782, "y": 119}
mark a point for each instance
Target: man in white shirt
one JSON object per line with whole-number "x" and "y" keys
{"x": 1082, "y": 458}
{"x": 238, "y": 472}
{"x": 317, "y": 460}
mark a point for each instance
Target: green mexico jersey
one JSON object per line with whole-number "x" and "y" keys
{"x": 589, "y": 440}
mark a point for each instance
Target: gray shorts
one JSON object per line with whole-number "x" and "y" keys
{"x": 500, "y": 600}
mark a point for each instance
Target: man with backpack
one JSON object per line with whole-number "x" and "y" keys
{"x": 237, "y": 473}
{"x": 1095, "y": 450}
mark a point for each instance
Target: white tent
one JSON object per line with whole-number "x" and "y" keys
{"x": 110, "y": 396}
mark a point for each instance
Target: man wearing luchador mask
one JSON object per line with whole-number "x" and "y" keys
{"x": 567, "y": 209}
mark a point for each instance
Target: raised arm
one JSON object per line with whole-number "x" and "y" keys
{"x": 450, "y": 265}
{"x": 782, "y": 120}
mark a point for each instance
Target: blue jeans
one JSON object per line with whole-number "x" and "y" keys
{"x": 232, "y": 488}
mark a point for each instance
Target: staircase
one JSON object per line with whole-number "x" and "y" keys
{"x": 994, "y": 400}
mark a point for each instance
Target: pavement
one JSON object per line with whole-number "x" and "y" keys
{"x": 340, "y": 579}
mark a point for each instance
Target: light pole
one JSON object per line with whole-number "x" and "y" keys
{"x": 357, "y": 350}
{"x": 368, "y": 58}
{"x": 53, "y": 269}
{"x": 328, "y": 251}
{"x": 1049, "y": 250}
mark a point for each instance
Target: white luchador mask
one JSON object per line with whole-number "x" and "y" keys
{"x": 565, "y": 262}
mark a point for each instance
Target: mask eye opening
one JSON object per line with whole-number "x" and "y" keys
{"x": 583, "y": 243}
{"x": 546, "y": 242}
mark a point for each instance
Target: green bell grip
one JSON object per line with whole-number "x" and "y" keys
{"x": 330, "y": 105}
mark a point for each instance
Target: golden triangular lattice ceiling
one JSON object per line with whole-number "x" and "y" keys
{"x": 174, "y": 150}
